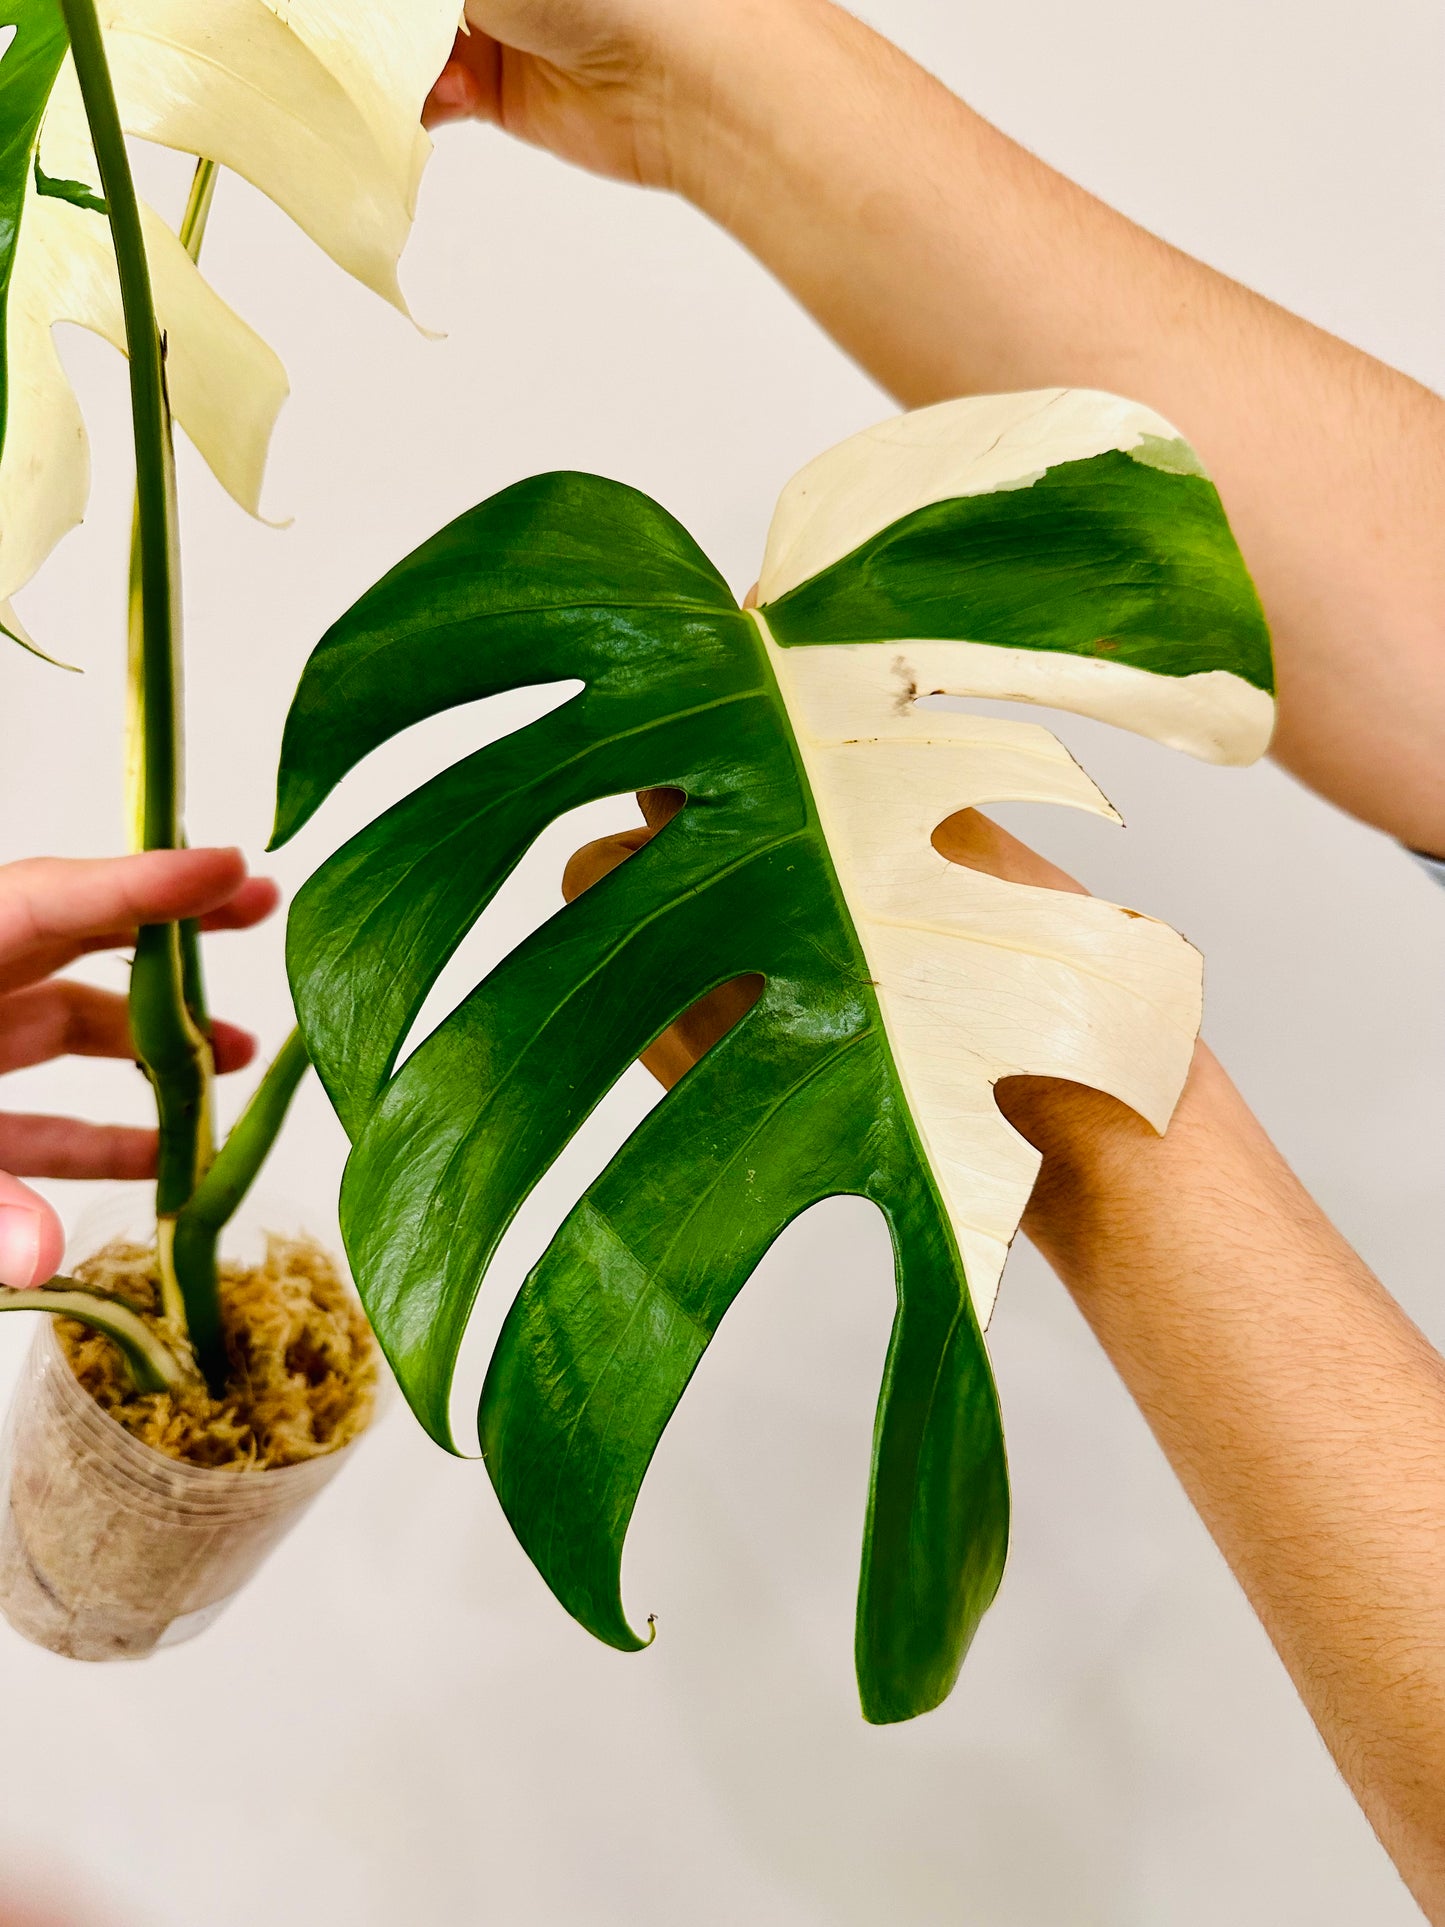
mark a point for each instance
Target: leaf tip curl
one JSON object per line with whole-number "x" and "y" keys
{"x": 14, "y": 628}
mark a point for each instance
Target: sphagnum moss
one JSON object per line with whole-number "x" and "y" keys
{"x": 303, "y": 1363}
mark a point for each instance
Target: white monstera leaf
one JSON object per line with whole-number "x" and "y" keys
{"x": 316, "y": 103}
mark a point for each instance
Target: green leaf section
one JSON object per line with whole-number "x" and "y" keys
{"x": 75, "y": 192}
{"x": 28, "y": 68}
{"x": 1115, "y": 556}
{"x": 570, "y": 576}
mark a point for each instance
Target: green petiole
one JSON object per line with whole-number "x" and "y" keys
{"x": 153, "y": 1366}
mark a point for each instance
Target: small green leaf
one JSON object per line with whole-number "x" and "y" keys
{"x": 76, "y": 192}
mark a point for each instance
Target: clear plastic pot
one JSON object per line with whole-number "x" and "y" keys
{"x": 108, "y": 1549}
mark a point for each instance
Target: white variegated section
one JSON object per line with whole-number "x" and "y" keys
{"x": 976, "y": 447}
{"x": 957, "y": 448}
{"x": 1215, "y": 716}
{"x": 226, "y": 385}
{"x": 318, "y": 103}
{"x": 387, "y": 64}
{"x": 315, "y": 103}
{"x": 978, "y": 979}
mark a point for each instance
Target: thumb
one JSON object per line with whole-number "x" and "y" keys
{"x": 469, "y": 86}
{"x": 32, "y": 1239}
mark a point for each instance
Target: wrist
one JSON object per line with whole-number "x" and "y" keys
{"x": 1077, "y": 1131}
{"x": 1102, "y": 1162}
{"x": 734, "y": 114}
{"x": 840, "y": 164}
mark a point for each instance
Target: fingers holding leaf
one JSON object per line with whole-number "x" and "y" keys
{"x": 469, "y": 86}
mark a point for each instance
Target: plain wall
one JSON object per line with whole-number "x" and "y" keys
{"x": 396, "y": 1724}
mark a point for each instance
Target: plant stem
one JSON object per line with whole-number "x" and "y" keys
{"x": 153, "y": 1366}
{"x": 193, "y": 983}
{"x": 198, "y": 207}
{"x": 135, "y": 721}
{"x": 155, "y": 507}
{"x": 193, "y": 980}
{"x": 192, "y": 233}
{"x": 171, "y": 1046}
{"x": 218, "y": 1195}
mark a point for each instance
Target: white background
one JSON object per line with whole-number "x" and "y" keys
{"x": 396, "y": 1724}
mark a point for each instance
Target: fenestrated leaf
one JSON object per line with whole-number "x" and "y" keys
{"x": 897, "y": 989}
{"x": 625, "y": 599}
{"x": 1071, "y": 533}
{"x": 326, "y": 122}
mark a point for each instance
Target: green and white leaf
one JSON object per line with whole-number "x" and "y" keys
{"x": 1074, "y": 601}
{"x": 316, "y": 104}
{"x": 1078, "y": 595}
{"x": 154, "y": 1366}
{"x": 1063, "y": 548}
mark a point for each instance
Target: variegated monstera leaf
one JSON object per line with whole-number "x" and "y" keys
{"x": 317, "y": 102}
{"x": 1060, "y": 548}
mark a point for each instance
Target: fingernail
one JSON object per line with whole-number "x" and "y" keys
{"x": 19, "y": 1246}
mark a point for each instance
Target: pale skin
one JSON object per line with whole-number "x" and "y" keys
{"x": 1301, "y": 1409}
{"x": 54, "y": 910}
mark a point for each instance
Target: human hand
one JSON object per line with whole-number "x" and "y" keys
{"x": 611, "y": 85}
{"x": 53, "y": 910}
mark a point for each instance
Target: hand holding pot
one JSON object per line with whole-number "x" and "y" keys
{"x": 52, "y": 911}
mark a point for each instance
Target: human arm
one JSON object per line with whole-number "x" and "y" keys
{"x": 52, "y": 911}
{"x": 949, "y": 261}
{"x": 1302, "y": 1411}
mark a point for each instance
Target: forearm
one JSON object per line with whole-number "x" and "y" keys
{"x": 949, "y": 261}
{"x": 1302, "y": 1411}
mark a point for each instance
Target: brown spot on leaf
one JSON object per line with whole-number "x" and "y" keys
{"x": 908, "y": 694}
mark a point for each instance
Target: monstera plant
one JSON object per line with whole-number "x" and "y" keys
{"x": 1061, "y": 548}
{"x": 318, "y": 104}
